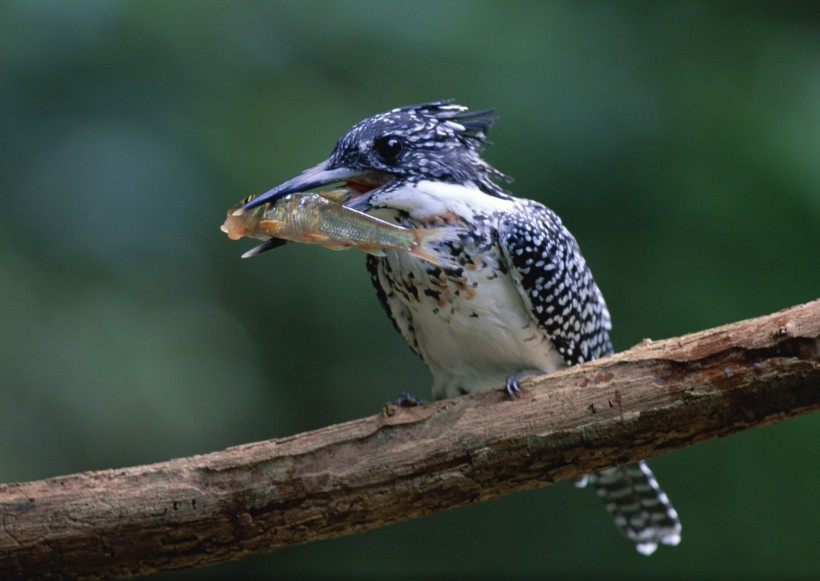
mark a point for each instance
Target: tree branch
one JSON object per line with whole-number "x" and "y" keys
{"x": 406, "y": 462}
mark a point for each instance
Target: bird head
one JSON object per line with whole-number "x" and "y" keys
{"x": 438, "y": 141}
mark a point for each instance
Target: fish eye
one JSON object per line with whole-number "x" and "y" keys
{"x": 388, "y": 147}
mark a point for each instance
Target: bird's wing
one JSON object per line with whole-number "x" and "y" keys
{"x": 396, "y": 310}
{"x": 555, "y": 282}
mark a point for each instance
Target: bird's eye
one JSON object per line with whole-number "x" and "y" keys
{"x": 388, "y": 147}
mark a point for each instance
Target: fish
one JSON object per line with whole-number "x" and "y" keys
{"x": 248, "y": 223}
{"x": 320, "y": 218}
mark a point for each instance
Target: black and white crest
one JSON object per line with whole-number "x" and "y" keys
{"x": 438, "y": 141}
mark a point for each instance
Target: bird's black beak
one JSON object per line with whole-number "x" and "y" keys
{"x": 319, "y": 175}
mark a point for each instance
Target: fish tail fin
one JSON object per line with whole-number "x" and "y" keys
{"x": 429, "y": 246}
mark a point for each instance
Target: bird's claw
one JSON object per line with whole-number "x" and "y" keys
{"x": 512, "y": 387}
{"x": 408, "y": 400}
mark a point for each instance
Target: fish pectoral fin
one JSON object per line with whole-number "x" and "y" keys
{"x": 276, "y": 227}
{"x": 315, "y": 237}
{"x": 271, "y": 224}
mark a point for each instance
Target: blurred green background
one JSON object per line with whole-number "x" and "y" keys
{"x": 680, "y": 142}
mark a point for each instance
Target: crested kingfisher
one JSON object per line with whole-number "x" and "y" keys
{"x": 519, "y": 299}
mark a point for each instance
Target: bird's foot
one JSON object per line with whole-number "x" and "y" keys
{"x": 408, "y": 400}
{"x": 512, "y": 387}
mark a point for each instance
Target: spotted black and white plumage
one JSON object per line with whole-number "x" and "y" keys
{"x": 640, "y": 508}
{"x": 521, "y": 299}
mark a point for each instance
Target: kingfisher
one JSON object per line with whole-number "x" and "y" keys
{"x": 517, "y": 297}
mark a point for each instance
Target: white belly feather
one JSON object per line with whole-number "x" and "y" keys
{"x": 472, "y": 332}
{"x": 473, "y": 337}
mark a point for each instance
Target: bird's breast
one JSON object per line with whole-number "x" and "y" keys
{"x": 470, "y": 323}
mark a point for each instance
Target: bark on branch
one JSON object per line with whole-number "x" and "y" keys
{"x": 407, "y": 462}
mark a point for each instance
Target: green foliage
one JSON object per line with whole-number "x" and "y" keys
{"x": 678, "y": 141}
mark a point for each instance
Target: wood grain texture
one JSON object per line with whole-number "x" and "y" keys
{"x": 407, "y": 462}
